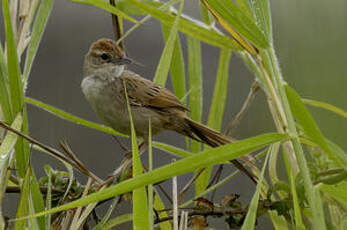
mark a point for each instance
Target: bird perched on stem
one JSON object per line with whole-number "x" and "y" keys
{"x": 104, "y": 84}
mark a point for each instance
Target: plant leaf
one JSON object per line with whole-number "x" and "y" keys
{"x": 326, "y": 106}
{"x": 165, "y": 60}
{"x": 36, "y": 35}
{"x": 69, "y": 117}
{"x": 108, "y": 7}
{"x": 190, "y": 27}
{"x": 309, "y": 126}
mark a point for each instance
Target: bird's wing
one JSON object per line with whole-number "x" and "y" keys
{"x": 143, "y": 92}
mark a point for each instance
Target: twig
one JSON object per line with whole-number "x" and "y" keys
{"x": 53, "y": 151}
{"x": 246, "y": 104}
{"x": 116, "y": 26}
{"x": 16, "y": 189}
{"x": 187, "y": 186}
{"x": 215, "y": 179}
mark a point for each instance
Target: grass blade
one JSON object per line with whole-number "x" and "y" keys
{"x": 172, "y": 149}
{"x": 309, "y": 126}
{"x": 190, "y": 27}
{"x": 23, "y": 206}
{"x": 206, "y": 158}
{"x": 261, "y": 11}
{"x": 36, "y": 35}
{"x": 236, "y": 18}
{"x": 251, "y": 216}
{"x": 108, "y": 7}
{"x": 338, "y": 191}
{"x": 177, "y": 70}
{"x": 69, "y": 117}
{"x": 7, "y": 155}
{"x": 326, "y": 106}
{"x": 4, "y": 90}
{"x": 140, "y": 202}
{"x": 118, "y": 220}
{"x": 195, "y": 84}
{"x": 165, "y": 60}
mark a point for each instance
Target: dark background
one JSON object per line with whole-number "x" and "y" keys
{"x": 309, "y": 38}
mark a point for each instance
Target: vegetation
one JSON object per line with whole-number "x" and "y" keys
{"x": 312, "y": 196}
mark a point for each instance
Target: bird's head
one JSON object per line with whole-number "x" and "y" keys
{"x": 105, "y": 57}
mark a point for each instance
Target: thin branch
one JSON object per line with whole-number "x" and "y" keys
{"x": 116, "y": 26}
{"x": 245, "y": 106}
{"x": 187, "y": 186}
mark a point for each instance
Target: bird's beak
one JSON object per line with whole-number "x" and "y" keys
{"x": 122, "y": 61}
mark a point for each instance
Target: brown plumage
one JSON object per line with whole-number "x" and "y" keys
{"x": 103, "y": 86}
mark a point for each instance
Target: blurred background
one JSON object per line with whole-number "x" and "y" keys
{"x": 310, "y": 41}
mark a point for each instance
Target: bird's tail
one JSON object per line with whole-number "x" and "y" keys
{"x": 213, "y": 138}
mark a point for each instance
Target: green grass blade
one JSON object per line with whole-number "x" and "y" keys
{"x": 326, "y": 106}
{"x": 299, "y": 224}
{"x": 177, "y": 70}
{"x": 150, "y": 168}
{"x": 36, "y": 35}
{"x": 23, "y": 206}
{"x": 216, "y": 110}
{"x": 118, "y": 220}
{"x": 245, "y": 7}
{"x": 159, "y": 205}
{"x": 103, "y": 221}
{"x": 190, "y": 27}
{"x": 261, "y": 11}
{"x": 74, "y": 119}
{"x": 251, "y": 216}
{"x": 38, "y": 202}
{"x": 337, "y": 191}
{"x": 215, "y": 117}
{"x": 14, "y": 73}
{"x": 5, "y": 101}
{"x": 108, "y": 7}
{"x": 206, "y": 158}
{"x": 7, "y": 155}
{"x": 205, "y": 15}
{"x": 309, "y": 126}
{"x": 165, "y": 60}
{"x": 239, "y": 21}
{"x": 172, "y": 149}
{"x": 48, "y": 196}
{"x": 195, "y": 84}
{"x": 140, "y": 202}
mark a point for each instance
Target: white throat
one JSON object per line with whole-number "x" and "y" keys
{"x": 118, "y": 70}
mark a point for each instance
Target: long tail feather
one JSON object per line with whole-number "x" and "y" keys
{"x": 214, "y": 139}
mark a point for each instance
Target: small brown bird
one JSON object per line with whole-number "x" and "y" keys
{"x": 104, "y": 83}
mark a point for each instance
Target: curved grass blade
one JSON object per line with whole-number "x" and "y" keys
{"x": 190, "y": 27}
{"x": 118, "y": 220}
{"x": 261, "y": 12}
{"x": 327, "y": 106}
{"x": 108, "y": 7}
{"x": 69, "y": 117}
{"x": 36, "y": 35}
{"x": 166, "y": 57}
{"x": 309, "y": 126}
{"x": 206, "y": 158}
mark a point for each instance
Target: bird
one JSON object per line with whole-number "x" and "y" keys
{"x": 105, "y": 84}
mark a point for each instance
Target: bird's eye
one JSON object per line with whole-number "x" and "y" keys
{"x": 105, "y": 56}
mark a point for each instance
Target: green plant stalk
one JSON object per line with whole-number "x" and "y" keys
{"x": 291, "y": 130}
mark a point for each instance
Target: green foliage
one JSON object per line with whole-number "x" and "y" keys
{"x": 311, "y": 197}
